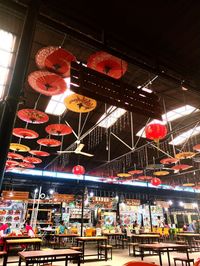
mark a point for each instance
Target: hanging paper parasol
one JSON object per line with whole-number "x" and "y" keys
{"x": 161, "y": 173}
{"x": 107, "y": 64}
{"x": 32, "y": 160}
{"x": 55, "y": 59}
{"x": 39, "y": 153}
{"x": 79, "y": 103}
{"x": 32, "y": 116}
{"x": 169, "y": 160}
{"x": 11, "y": 163}
{"x": 49, "y": 142}
{"x": 58, "y": 129}
{"x": 47, "y": 83}
{"x": 19, "y": 147}
{"x": 135, "y": 172}
{"x": 26, "y": 165}
{"x": 185, "y": 155}
{"x": 196, "y": 147}
{"x": 25, "y": 133}
{"x": 15, "y": 156}
{"x": 145, "y": 177}
{"x": 188, "y": 185}
{"x": 182, "y": 167}
{"x": 124, "y": 175}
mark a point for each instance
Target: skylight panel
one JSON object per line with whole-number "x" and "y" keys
{"x": 185, "y": 135}
{"x": 56, "y": 104}
{"x": 171, "y": 116}
{"x": 112, "y": 118}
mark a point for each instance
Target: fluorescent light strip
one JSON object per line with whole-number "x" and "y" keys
{"x": 56, "y": 104}
{"x": 171, "y": 116}
{"x": 185, "y": 135}
{"x": 112, "y": 118}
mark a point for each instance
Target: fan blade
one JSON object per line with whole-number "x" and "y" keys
{"x": 60, "y": 152}
{"x": 85, "y": 153}
{"x": 79, "y": 147}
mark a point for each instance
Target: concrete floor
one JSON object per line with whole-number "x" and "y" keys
{"x": 119, "y": 258}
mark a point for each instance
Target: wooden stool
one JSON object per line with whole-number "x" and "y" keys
{"x": 184, "y": 261}
{"x": 5, "y": 257}
{"x": 124, "y": 243}
{"x": 105, "y": 248}
{"x": 133, "y": 245}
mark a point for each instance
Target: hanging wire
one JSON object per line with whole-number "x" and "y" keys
{"x": 63, "y": 41}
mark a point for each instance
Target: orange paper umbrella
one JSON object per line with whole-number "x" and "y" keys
{"x": 181, "y": 167}
{"x": 26, "y": 165}
{"x": 39, "y": 153}
{"x": 32, "y": 116}
{"x": 169, "y": 160}
{"x": 79, "y": 103}
{"x": 11, "y": 163}
{"x": 135, "y": 172}
{"x": 185, "y": 155}
{"x": 196, "y": 147}
{"x": 49, "y": 142}
{"x": 107, "y": 64}
{"x": 124, "y": 175}
{"x": 145, "y": 177}
{"x": 19, "y": 147}
{"x": 58, "y": 129}
{"x": 47, "y": 83}
{"x": 55, "y": 59}
{"x": 188, "y": 185}
{"x": 32, "y": 160}
{"x": 25, "y": 133}
{"x": 15, "y": 156}
{"x": 160, "y": 173}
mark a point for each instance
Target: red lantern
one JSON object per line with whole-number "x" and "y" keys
{"x": 155, "y": 131}
{"x": 78, "y": 170}
{"x": 155, "y": 181}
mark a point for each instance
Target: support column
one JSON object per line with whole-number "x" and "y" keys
{"x": 10, "y": 105}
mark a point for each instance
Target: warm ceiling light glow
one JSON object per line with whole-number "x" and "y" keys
{"x": 7, "y": 42}
{"x": 171, "y": 116}
{"x": 112, "y": 118}
{"x": 147, "y": 90}
{"x": 185, "y": 135}
{"x": 56, "y": 104}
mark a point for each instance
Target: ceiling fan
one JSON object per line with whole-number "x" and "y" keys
{"x": 78, "y": 150}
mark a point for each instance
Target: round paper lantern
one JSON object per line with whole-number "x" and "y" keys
{"x": 78, "y": 170}
{"x": 155, "y": 131}
{"x": 155, "y": 181}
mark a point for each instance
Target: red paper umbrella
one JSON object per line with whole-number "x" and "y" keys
{"x": 26, "y": 165}
{"x": 180, "y": 167}
{"x": 155, "y": 131}
{"x": 145, "y": 177}
{"x": 32, "y": 116}
{"x": 135, "y": 172}
{"x": 15, "y": 156}
{"x": 32, "y": 160}
{"x": 58, "y": 129}
{"x": 107, "y": 64}
{"x": 112, "y": 177}
{"x": 55, "y": 59}
{"x": 11, "y": 163}
{"x": 169, "y": 160}
{"x": 47, "y": 83}
{"x": 196, "y": 147}
{"x": 49, "y": 142}
{"x": 25, "y": 133}
{"x": 39, "y": 153}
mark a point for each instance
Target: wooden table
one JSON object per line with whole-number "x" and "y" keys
{"x": 98, "y": 239}
{"x": 149, "y": 238}
{"x": 60, "y": 236}
{"x": 116, "y": 236}
{"x": 189, "y": 237}
{"x": 163, "y": 247}
{"x": 31, "y": 257}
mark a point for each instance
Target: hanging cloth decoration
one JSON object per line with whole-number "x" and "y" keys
{"x": 58, "y": 129}
{"x": 169, "y": 160}
{"x": 47, "y": 83}
{"x": 39, "y": 153}
{"x": 79, "y": 103}
{"x": 32, "y": 116}
{"x": 32, "y": 160}
{"x": 26, "y": 165}
{"x": 49, "y": 142}
{"x": 15, "y": 156}
{"x": 107, "y": 64}
{"x": 19, "y": 147}
{"x": 185, "y": 155}
{"x": 55, "y": 59}
{"x": 25, "y": 133}
{"x": 155, "y": 131}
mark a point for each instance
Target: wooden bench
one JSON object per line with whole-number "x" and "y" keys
{"x": 132, "y": 245}
{"x": 184, "y": 261}
{"x": 106, "y": 249}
